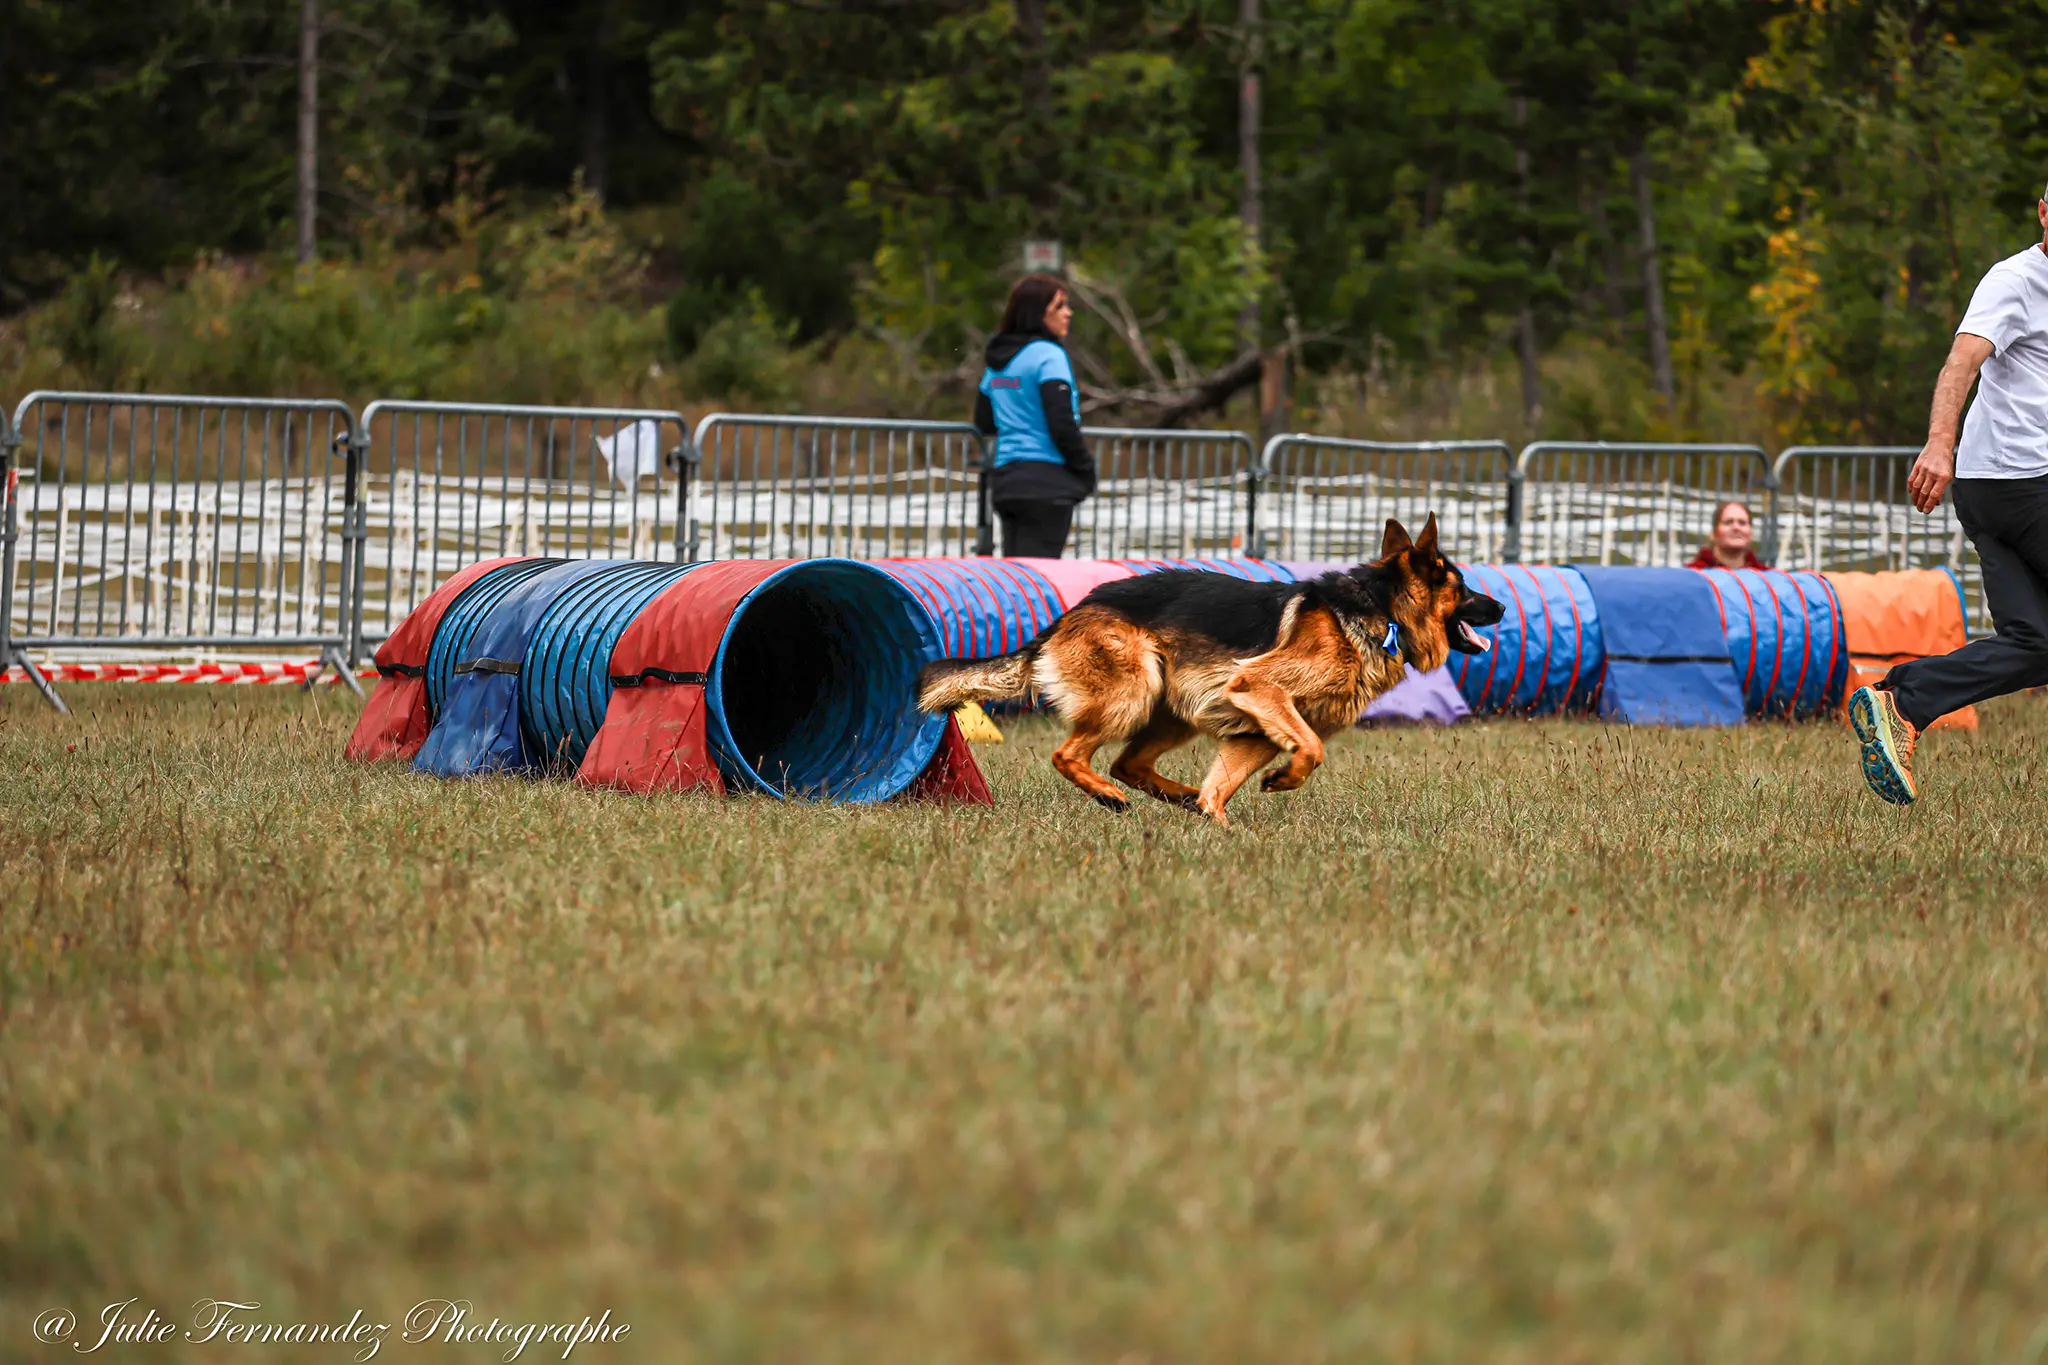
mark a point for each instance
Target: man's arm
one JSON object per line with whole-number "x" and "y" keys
{"x": 1935, "y": 470}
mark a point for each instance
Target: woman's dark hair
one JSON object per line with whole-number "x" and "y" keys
{"x": 1024, "y": 315}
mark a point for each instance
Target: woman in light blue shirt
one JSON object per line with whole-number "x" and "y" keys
{"x": 1028, "y": 404}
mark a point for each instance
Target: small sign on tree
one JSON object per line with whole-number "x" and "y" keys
{"x": 1041, "y": 257}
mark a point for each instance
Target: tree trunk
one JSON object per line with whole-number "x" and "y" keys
{"x": 1249, "y": 208}
{"x": 1653, "y": 275}
{"x": 1532, "y": 377}
{"x": 1037, "y": 81}
{"x": 597, "y": 71}
{"x": 309, "y": 130}
{"x": 1273, "y": 393}
{"x": 1593, "y": 200}
{"x": 1525, "y": 323}
{"x": 1040, "y": 165}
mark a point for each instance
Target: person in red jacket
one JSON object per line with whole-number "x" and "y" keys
{"x": 1734, "y": 542}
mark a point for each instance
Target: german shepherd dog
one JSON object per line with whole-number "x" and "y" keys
{"x": 1265, "y": 668}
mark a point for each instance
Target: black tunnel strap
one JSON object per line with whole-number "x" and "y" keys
{"x": 1668, "y": 659}
{"x": 507, "y": 666}
{"x": 401, "y": 670}
{"x": 667, "y": 675}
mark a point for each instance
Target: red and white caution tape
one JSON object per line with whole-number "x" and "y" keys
{"x": 183, "y": 673}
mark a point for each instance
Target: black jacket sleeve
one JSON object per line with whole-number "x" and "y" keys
{"x": 984, "y": 415}
{"x": 1057, "y": 399}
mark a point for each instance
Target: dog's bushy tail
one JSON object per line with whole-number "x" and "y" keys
{"x": 948, "y": 684}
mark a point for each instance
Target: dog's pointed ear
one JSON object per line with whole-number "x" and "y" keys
{"x": 1426, "y": 542}
{"x": 1396, "y": 539}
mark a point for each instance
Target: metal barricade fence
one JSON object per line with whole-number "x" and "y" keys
{"x": 1600, "y": 502}
{"x": 1846, "y": 508}
{"x": 771, "y": 487}
{"x": 225, "y": 526}
{"x": 448, "y": 484}
{"x": 1168, "y": 495}
{"x": 1329, "y": 498}
{"x": 153, "y": 523}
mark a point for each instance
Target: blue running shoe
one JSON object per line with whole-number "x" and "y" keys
{"x": 1888, "y": 740}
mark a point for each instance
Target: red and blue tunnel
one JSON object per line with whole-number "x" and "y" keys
{"x": 789, "y": 678}
{"x": 796, "y": 678}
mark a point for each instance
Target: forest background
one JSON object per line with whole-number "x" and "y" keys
{"x": 1640, "y": 219}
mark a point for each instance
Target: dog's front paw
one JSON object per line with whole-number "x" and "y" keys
{"x": 1116, "y": 801}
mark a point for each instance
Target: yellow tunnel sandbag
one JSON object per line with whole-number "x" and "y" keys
{"x": 976, "y": 727}
{"x": 1898, "y": 615}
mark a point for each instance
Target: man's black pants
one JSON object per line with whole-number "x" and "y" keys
{"x": 2007, "y": 520}
{"x": 1035, "y": 530}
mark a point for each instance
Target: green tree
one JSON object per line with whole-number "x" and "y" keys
{"x": 1892, "y": 184}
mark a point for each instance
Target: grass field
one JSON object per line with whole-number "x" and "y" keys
{"x": 1519, "y": 1042}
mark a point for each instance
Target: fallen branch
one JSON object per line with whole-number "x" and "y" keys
{"x": 1172, "y": 405}
{"x": 1108, "y": 302}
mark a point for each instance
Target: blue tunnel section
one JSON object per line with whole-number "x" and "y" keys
{"x": 1667, "y": 652}
{"x": 1656, "y": 646}
{"x": 1548, "y": 651}
{"x": 480, "y": 730}
{"x": 462, "y": 618}
{"x": 565, "y": 679}
{"x": 983, "y": 607}
{"x": 1785, "y": 639}
{"x": 812, "y": 691}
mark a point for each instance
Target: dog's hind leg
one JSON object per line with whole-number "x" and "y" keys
{"x": 1102, "y": 675}
{"x": 1072, "y": 760}
{"x": 1162, "y": 734}
{"x": 1237, "y": 758}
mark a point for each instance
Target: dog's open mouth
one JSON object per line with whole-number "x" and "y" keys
{"x": 1471, "y": 640}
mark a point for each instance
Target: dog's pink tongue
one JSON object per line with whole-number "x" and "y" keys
{"x": 1478, "y": 641}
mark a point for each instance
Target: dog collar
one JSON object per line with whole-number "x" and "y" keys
{"x": 1391, "y": 644}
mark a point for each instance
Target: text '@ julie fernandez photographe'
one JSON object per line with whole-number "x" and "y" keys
{"x": 363, "y": 1333}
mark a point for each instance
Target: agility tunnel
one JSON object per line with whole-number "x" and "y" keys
{"x": 802, "y": 676}
{"x": 789, "y": 678}
{"x": 1653, "y": 645}
{"x": 1547, "y": 655}
{"x": 399, "y": 714}
{"x": 481, "y": 727}
{"x": 1666, "y": 650}
{"x": 566, "y": 683}
{"x": 1785, "y": 640}
{"x": 1657, "y": 646}
{"x": 797, "y": 678}
{"x": 982, "y": 607}
{"x": 468, "y": 611}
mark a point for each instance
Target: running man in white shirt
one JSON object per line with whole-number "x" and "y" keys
{"x": 1999, "y": 474}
